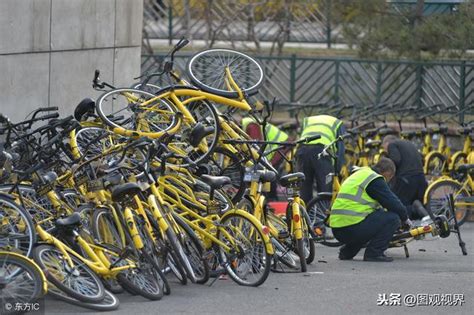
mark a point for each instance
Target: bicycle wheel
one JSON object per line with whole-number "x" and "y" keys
{"x": 109, "y": 303}
{"x": 248, "y": 263}
{"x": 207, "y": 70}
{"x": 222, "y": 162}
{"x": 21, "y": 281}
{"x": 17, "y": 231}
{"x": 437, "y": 199}
{"x": 143, "y": 279}
{"x": 193, "y": 249}
{"x": 136, "y": 111}
{"x": 180, "y": 254}
{"x": 80, "y": 282}
{"x": 318, "y": 210}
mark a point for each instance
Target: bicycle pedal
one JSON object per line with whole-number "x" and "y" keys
{"x": 283, "y": 234}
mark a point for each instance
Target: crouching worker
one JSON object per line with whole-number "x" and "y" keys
{"x": 367, "y": 213}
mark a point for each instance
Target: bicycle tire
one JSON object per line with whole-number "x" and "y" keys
{"x": 194, "y": 250}
{"x": 137, "y": 287}
{"x": 109, "y": 303}
{"x": 180, "y": 254}
{"x": 437, "y": 200}
{"x": 284, "y": 254}
{"x": 98, "y": 290}
{"x": 237, "y": 267}
{"x": 309, "y": 247}
{"x": 206, "y": 69}
{"x": 318, "y": 208}
{"x": 301, "y": 254}
{"x": 168, "y": 256}
{"x": 108, "y": 101}
{"x": 146, "y": 279}
{"x": 18, "y": 270}
{"x": 23, "y": 242}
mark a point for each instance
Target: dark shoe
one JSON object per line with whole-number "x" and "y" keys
{"x": 344, "y": 255}
{"x": 419, "y": 210}
{"x": 381, "y": 258}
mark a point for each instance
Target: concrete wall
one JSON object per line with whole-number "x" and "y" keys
{"x": 49, "y": 50}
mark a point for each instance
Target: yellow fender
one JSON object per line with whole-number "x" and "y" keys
{"x": 457, "y": 156}
{"x": 429, "y": 156}
{"x": 258, "y": 224}
{"x": 32, "y": 263}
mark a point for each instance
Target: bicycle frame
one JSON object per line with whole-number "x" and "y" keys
{"x": 97, "y": 261}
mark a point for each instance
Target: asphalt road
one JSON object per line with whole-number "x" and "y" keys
{"x": 435, "y": 268}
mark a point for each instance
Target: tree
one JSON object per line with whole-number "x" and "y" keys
{"x": 378, "y": 28}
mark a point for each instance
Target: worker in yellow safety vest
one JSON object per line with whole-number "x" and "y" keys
{"x": 367, "y": 212}
{"x": 317, "y": 170}
{"x": 272, "y": 133}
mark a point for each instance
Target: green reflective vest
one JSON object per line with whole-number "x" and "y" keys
{"x": 272, "y": 132}
{"x": 352, "y": 203}
{"x": 324, "y": 125}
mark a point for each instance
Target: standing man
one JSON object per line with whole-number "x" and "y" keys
{"x": 318, "y": 170}
{"x": 272, "y": 133}
{"x": 409, "y": 183}
{"x": 358, "y": 216}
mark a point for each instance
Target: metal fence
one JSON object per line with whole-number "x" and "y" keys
{"x": 256, "y": 21}
{"x": 307, "y": 80}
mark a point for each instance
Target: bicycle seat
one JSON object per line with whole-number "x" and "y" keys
{"x": 113, "y": 179}
{"x": 292, "y": 179}
{"x": 86, "y": 106}
{"x": 73, "y": 219}
{"x": 125, "y": 192}
{"x": 198, "y": 133}
{"x": 216, "y": 182}
{"x": 267, "y": 176}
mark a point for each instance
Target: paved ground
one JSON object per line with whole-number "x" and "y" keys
{"x": 436, "y": 266}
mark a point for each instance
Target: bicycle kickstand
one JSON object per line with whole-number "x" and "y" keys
{"x": 456, "y": 225}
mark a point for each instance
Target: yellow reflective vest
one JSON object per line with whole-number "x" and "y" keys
{"x": 352, "y": 203}
{"x": 324, "y": 125}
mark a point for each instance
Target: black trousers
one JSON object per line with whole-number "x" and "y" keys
{"x": 376, "y": 230}
{"x": 409, "y": 188}
{"x": 315, "y": 170}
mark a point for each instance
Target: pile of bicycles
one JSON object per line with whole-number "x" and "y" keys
{"x": 143, "y": 183}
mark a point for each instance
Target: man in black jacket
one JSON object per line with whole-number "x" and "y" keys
{"x": 409, "y": 183}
